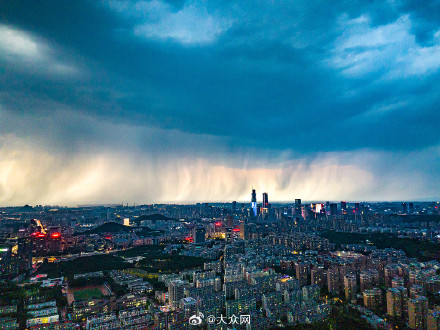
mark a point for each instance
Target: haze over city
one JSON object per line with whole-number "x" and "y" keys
{"x": 181, "y": 101}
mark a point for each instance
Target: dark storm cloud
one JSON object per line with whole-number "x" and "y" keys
{"x": 238, "y": 83}
{"x": 261, "y": 74}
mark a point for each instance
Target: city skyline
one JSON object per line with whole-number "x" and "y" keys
{"x": 184, "y": 101}
{"x": 271, "y": 266}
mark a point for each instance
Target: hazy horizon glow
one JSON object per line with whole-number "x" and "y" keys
{"x": 185, "y": 101}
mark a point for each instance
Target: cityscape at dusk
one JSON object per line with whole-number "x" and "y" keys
{"x": 219, "y": 165}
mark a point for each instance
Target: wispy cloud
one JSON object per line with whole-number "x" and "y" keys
{"x": 20, "y": 48}
{"x": 191, "y": 24}
{"x": 390, "y": 49}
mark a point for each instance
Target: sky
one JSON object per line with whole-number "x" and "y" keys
{"x": 185, "y": 101}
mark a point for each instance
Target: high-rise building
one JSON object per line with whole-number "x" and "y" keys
{"x": 265, "y": 200}
{"x": 416, "y": 291}
{"x": 214, "y": 265}
{"x": 188, "y": 306}
{"x": 433, "y": 319}
{"x": 228, "y": 234}
{"x": 366, "y": 280}
{"x": 395, "y": 301}
{"x": 310, "y": 293}
{"x": 397, "y": 282}
{"x": 333, "y": 280}
{"x": 350, "y": 286}
{"x": 176, "y": 291}
{"x": 229, "y": 221}
{"x": 234, "y": 206}
{"x": 298, "y": 206}
{"x": 404, "y": 208}
{"x": 417, "y": 312}
{"x": 302, "y": 272}
{"x": 286, "y": 283}
{"x": 24, "y": 254}
{"x": 265, "y": 206}
{"x": 318, "y": 276}
{"x": 272, "y": 301}
{"x": 318, "y": 208}
{"x": 243, "y": 230}
{"x": 240, "y": 306}
{"x": 212, "y": 304}
{"x": 390, "y": 271}
{"x": 199, "y": 234}
{"x": 254, "y": 202}
{"x": 333, "y": 208}
{"x": 344, "y": 207}
{"x": 372, "y": 299}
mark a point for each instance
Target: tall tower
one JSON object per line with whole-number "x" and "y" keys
{"x": 265, "y": 200}
{"x": 298, "y": 206}
{"x": 254, "y": 202}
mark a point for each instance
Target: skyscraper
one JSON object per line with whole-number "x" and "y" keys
{"x": 265, "y": 200}
{"x": 254, "y": 202}
{"x": 298, "y": 206}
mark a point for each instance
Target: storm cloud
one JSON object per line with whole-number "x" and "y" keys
{"x": 155, "y": 101}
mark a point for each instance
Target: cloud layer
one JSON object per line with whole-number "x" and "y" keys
{"x": 149, "y": 101}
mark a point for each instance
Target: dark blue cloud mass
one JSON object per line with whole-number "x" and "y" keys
{"x": 275, "y": 89}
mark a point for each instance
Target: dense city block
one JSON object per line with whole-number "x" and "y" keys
{"x": 221, "y": 266}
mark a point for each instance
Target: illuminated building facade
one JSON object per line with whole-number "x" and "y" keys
{"x": 254, "y": 203}
{"x": 417, "y": 312}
